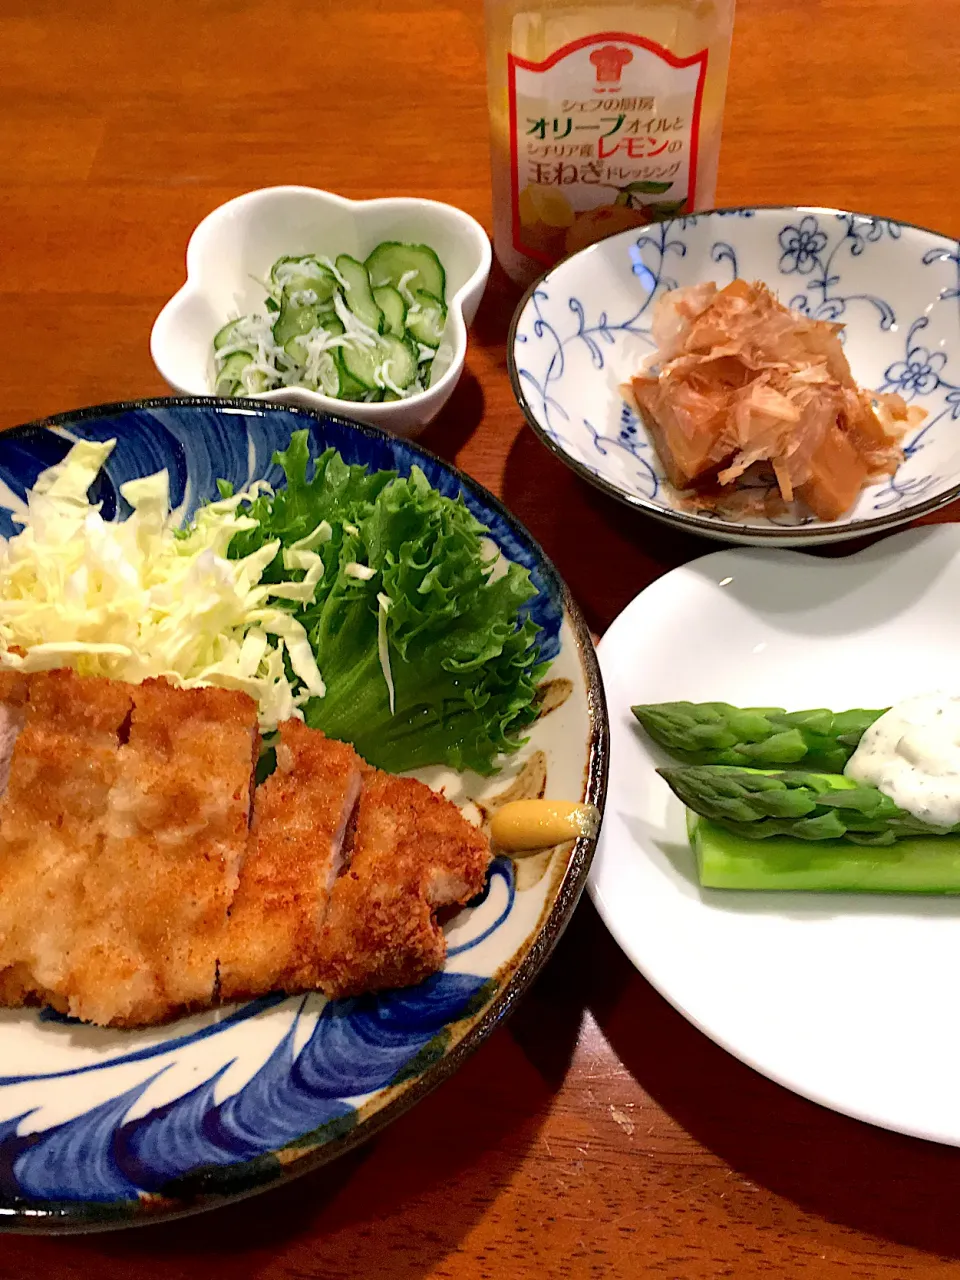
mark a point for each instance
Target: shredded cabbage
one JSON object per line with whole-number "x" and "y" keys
{"x": 138, "y": 598}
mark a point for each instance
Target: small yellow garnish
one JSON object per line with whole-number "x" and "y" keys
{"x": 524, "y": 825}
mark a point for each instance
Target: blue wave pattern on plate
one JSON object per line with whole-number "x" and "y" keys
{"x": 355, "y": 1047}
{"x": 21, "y": 461}
{"x": 899, "y": 286}
{"x": 501, "y": 869}
{"x": 249, "y": 1010}
{"x": 79, "y": 1151}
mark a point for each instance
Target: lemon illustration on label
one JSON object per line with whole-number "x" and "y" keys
{"x": 545, "y": 205}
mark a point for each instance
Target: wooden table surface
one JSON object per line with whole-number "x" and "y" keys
{"x": 597, "y": 1134}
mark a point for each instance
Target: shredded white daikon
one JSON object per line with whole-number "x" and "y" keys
{"x": 362, "y": 572}
{"x": 353, "y": 325}
{"x": 383, "y": 646}
{"x": 403, "y": 286}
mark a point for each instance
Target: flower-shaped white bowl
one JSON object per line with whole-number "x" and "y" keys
{"x": 583, "y": 329}
{"x": 234, "y": 247}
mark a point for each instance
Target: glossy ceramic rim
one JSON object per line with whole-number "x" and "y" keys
{"x": 86, "y": 1217}
{"x": 719, "y": 530}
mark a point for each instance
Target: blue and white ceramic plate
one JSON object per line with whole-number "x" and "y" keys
{"x": 101, "y": 1127}
{"x": 582, "y": 330}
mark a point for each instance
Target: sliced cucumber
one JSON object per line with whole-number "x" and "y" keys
{"x": 427, "y": 318}
{"x": 362, "y": 364}
{"x": 392, "y": 358}
{"x": 393, "y": 307}
{"x": 297, "y": 274}
{"x": 398, "y": 360}
{"x": 327, "y": 317}
{"x": 358, "y": 295}
{"x": 329, "y": 324}
{"x": 296, "y": 348}
{"x": 226, "y": 336}
{"x": 395, "y": 324}
{"x": 294, "y": 319}
{"x": 228, "y": 375}
{"x": 390, "y": 262}
{"x": 327, "y": 380}
{"x": 255, "y": 382}
{"x": 350, "y": 387}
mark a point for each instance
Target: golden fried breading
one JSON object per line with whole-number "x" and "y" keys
{"x": 13, "y": 710}
{"x": 155, "y": 899}
{"x": 123, "y": 830}
{"x": 299, "y": 817}
{"x": 413, "y": 852}
{"x": 52, "y": 820}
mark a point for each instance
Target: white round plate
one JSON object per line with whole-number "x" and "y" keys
{"x": 850, "y": 1000}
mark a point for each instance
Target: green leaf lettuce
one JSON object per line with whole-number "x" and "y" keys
{"x": 404, "y": 564}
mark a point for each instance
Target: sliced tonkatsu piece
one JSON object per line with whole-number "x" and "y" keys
{"x": 16, "y": 982}
{"x": 64, "y": 762}
{"x": 296, "y": 846}
{"x": 13, "y": 710}
{"x": 413, "y": 852}
{"x": 18, "y": 986}
{"x": 123, "y": 832}
{"x": 156, "y": 899}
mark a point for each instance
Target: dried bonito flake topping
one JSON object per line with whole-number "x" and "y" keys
{"x": 740, "y": 383}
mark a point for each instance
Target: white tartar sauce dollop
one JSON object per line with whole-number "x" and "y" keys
{"x": 912, "y": 754}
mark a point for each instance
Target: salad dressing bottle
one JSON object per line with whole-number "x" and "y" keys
{"x": 603, "y": 117}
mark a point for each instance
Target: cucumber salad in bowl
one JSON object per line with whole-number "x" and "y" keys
{"x": 362, "y": 331}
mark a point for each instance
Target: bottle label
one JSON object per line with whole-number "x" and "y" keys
{"x": 603, "y": 137}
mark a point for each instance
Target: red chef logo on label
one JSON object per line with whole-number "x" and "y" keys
{"x": 610, "y": 62}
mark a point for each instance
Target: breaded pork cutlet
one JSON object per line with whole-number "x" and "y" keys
{"x": 299, "y": 817}
{"x": 413, "y": 853}
{"x": 155, "y": 900}
{"x": 64, "y": 762}
{"x": 123, "y": 833}
{"x": 13, "y": 711}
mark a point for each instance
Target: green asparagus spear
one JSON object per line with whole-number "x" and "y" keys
{"x": 727, "y": 861}
{"x": 755, "y": 737}
{"x": 804, "y": 806}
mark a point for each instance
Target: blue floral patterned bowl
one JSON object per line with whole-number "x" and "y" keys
{"x": 101, "y": 1127}
{"x": 583, "y": 329}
